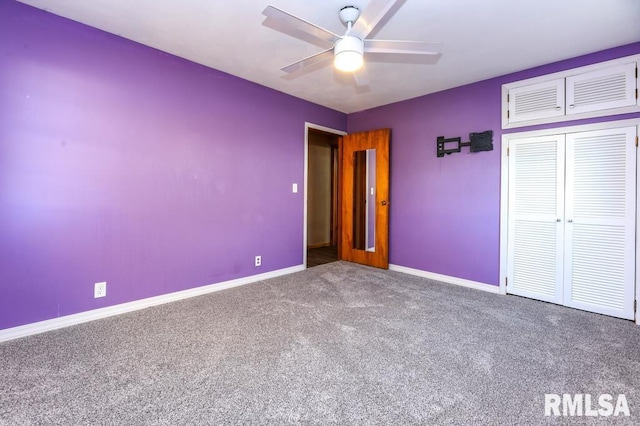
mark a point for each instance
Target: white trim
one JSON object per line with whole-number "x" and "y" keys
{"x": 504, "y": 205}
{"x": 445, "y": 279}
{"x": 637, "y": 300}
{"x": 308, "y": 126}
{"x": 572, "y": 129}
{"x": 504, "y": 187}
{"x": 564, "y": 74}
{"x": 82, "y": 317}
{"x": 573, "y": 117}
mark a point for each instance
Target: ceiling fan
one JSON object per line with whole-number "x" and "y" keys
{"x": 348, "y": 50}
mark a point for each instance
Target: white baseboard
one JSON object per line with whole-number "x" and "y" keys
{"x": 79, "y": 318}
{"x": 446, "y": 279}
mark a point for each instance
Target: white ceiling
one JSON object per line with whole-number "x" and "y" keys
{"x": 481, "y": 39}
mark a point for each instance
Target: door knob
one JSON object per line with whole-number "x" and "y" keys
{"x": 383, "y": 202}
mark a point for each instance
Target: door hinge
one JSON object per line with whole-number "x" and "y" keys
{"x": 507, "y": 113}
{"x": 506, "y": 281}
{"x": 636, "y": 141}
{"x": 507, "y": 151}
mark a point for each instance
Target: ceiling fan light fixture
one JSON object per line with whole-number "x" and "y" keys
{"x": 348, "y": 54}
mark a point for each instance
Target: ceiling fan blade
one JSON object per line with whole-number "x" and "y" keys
{"x": 325, "y": 36}
{"x": 372, "y": 15}
{"x": 309, "y": 61}
{"x": 402, "y": 46}
{"x": 361, "y": 76}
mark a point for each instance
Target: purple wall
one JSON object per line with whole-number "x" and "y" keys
{"x": 123, "y": 164}
{"x": 445, "y": 212}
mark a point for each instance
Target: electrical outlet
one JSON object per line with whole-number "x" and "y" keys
{"x": 258, "y": 260}
{"x": 100, "y": 289}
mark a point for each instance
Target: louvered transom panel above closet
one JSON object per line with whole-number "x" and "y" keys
{"x": 610, "y": 88}
{"x": 598, "y": 90}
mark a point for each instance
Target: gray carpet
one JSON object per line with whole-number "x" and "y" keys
{"x": 338, "y": 343}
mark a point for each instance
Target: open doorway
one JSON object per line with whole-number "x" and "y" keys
{"x": 322, "y": 224}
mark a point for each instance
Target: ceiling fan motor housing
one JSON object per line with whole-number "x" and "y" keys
{"x": 348, "y": 53}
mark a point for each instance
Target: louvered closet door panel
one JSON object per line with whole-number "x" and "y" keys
{"x": 535, "y": 101}
{"x": 600, "y": 228}
{"x": 612, "y": 87}
{"x": 534, "y": 241}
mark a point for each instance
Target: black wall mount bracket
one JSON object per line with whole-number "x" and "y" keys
{"x": 481, "y": 141}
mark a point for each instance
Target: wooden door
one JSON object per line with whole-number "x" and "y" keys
{"x": 365, "y": 198}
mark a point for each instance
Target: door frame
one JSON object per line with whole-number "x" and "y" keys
{"x": 307, "y": 126}
{"x": 504, "y": 191}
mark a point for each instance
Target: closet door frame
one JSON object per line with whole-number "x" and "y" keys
{"x": 504, "y": 191}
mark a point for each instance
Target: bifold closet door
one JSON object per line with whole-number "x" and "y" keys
{"x": 600, "y": 221}
{"x": 535, "y": 210}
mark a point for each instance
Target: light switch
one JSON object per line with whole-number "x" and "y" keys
{"x": 295, "y": 188}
